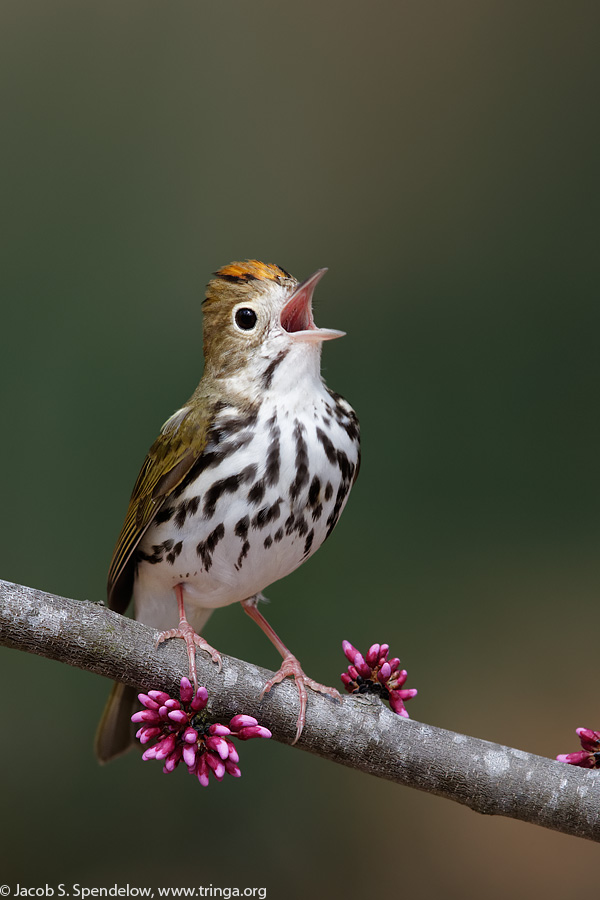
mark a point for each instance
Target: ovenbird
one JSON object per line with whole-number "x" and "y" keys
{"x": 243, "y": 483}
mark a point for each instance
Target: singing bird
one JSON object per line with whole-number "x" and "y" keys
{"x": 243, "y": 483}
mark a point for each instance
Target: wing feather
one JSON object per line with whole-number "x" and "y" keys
{"x": 171, "y": 457}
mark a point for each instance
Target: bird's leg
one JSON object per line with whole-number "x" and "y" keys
{"x": 290, "y": 665}
{"x": 192, "y": 640}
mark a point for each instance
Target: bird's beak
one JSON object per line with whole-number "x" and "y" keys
{"x": 296, "y": 316}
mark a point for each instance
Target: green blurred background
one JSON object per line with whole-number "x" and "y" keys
{"x": 441, "y": 158}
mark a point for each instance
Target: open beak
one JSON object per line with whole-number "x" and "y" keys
{"x": 296, "y": 316}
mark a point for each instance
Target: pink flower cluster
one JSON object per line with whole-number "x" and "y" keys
{"x": 589, "y": 757}
{"x": 183, "y": 733}
{"x": 375, "y": 674}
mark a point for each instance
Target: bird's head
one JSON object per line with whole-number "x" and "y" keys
{"x": 255, "y": 312}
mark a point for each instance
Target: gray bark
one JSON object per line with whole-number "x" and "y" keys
{"x": 359, "y": 732}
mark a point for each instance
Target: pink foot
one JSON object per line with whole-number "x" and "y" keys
{"x": 291, "y": 666}
{"x": 192, "y": 640}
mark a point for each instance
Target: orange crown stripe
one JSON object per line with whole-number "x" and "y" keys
{"x": 252, "y": 268}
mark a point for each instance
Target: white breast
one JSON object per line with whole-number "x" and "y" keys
{"x": 274, "y": 491}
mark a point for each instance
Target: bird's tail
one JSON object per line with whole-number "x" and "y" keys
{"x": 115, "y": 734}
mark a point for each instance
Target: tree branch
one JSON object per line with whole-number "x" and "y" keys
{"x": 358, "y": 732}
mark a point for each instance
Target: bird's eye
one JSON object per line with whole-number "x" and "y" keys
{"x": 245, "y": 318}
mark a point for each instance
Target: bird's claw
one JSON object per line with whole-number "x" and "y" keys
{"x": 192, "y": 640}
{"x": 292, "y": 668}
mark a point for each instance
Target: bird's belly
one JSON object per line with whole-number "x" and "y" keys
{"x": 228, "y": 560}
{"x": 251, "y": 518}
